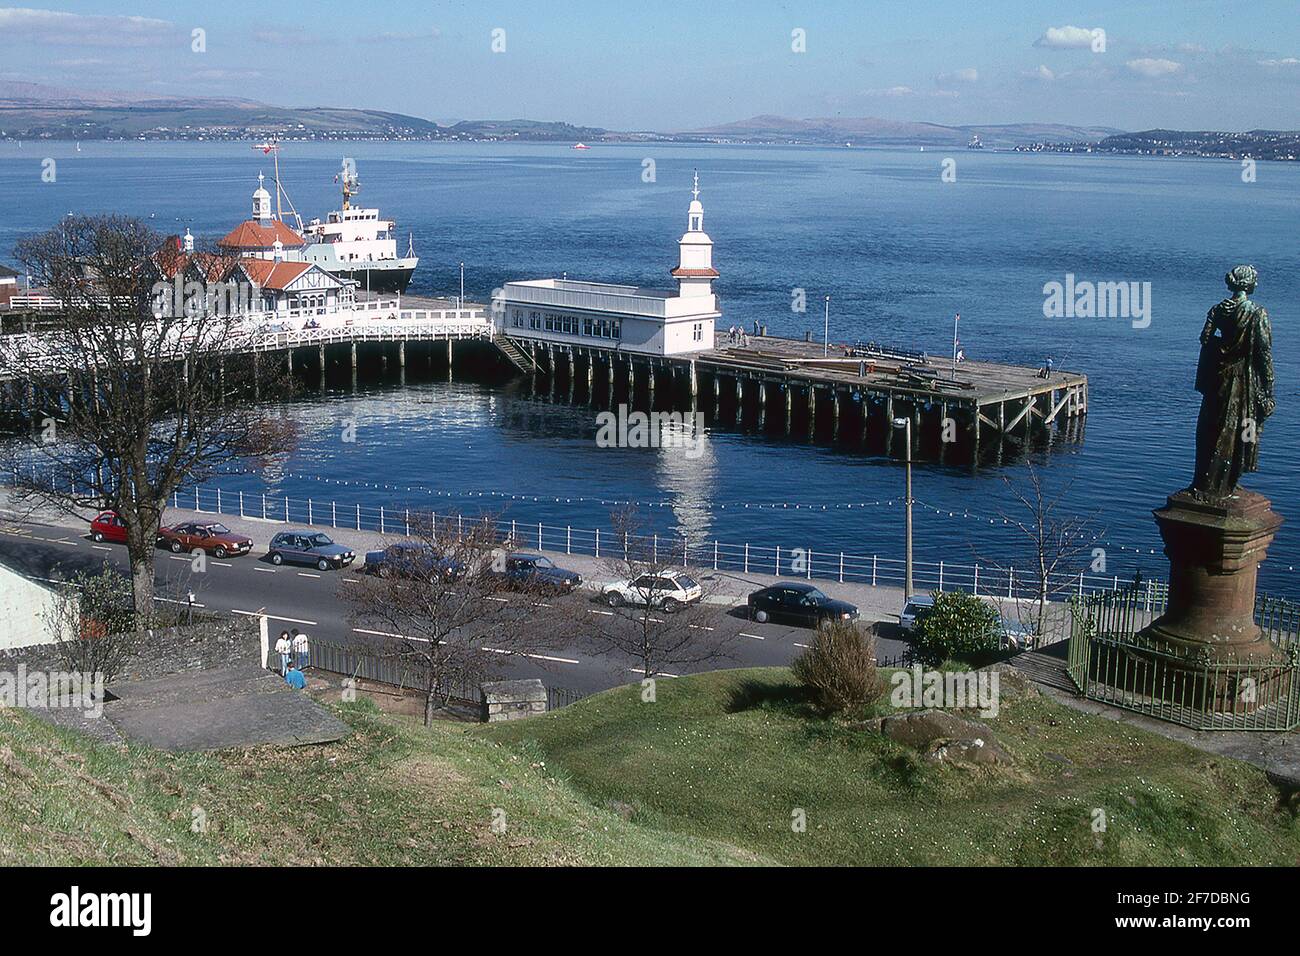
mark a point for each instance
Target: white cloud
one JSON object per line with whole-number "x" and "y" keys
{"x": 1042, "y": 73}
{"x": 1067, "y": 38}
{"x": 1152, "y": 67}
{"x": 892, "y": 91}
{"x": 968, "y": 75}
{"x": 1286, "y": 61}
{"x": 74, "y": 29}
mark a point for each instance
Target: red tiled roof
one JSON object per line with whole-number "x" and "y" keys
{"x": 253, "y": 235}
{"x": 695, "y": 273}
{"x": 267, "y": 274}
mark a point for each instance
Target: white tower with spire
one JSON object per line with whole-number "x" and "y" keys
{"x": 261, "y": 202}
{"x": 695, "y": 272}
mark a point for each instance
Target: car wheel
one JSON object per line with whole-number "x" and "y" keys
{"x": 98, "y": 536}
{"x": 672, "y": 605}
{"x": 276, "y": 557}
{"x": 219, "y": 552}
{"x": 761, "y": 616}
{"x": 323, "y": 565}
{"x": 175, "y": 545}
{"x": 614, "y": 599}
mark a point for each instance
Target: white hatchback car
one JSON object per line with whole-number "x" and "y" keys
{"x": 668, "y": 590}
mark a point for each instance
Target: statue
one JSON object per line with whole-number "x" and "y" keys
{"x": 1235, "y": 379}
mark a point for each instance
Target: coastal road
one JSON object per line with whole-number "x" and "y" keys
{"x": 313, "y": 601}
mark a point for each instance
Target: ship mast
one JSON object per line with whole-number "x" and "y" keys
{"x": 273, "y": 146}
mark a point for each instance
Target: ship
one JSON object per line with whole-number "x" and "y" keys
{"x": 356, "y": 243}
{"x": 975, "y": 143}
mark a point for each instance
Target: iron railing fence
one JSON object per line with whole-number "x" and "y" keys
{"x": 805, "y": 561}
{"x": 407, "y": 674}
{"x": 1111, "y": 661}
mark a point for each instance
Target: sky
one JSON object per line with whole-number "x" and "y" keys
{"x": 669, "y": 65}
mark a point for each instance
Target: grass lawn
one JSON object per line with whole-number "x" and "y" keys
{"x": 731, "y": 755}
{"x": 393, "y": 793}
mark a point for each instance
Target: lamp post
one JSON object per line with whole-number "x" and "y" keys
{"x": 906, "y": 425}
{"x": 826, "y": 339}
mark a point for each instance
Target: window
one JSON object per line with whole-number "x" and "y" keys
{"x": 586, "y": 326}
{"x": 698, "y": 332}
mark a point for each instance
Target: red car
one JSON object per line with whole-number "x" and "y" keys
{"x": 107, "y": 526}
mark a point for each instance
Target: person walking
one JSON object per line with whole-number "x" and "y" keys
{"x": 300, "y": 649}
{"x": 283, "y": 647}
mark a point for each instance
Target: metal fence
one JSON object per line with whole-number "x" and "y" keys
{"x": 799, "y": 561}
{"x": 405, "y": 673}
{"x": 1111, "y": 661}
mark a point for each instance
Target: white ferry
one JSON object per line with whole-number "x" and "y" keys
{"x": 355, "y": 243}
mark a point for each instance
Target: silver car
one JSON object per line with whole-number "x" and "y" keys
{"x": 309, "y": 547}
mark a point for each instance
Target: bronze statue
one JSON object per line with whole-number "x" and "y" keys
{"x": 1235, "y": 379}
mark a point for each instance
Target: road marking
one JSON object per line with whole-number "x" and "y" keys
{"x": 700, "y": 627}
{"x": 221, "y": 564}
{"x": 536, "y": 657}
{"x": 180, "y": 557}
{"x": 641, "y": 671}
{"x": 101, "y": 547}
{"x": 499, "y": 600}
{"x": 174, "y": 601}
{"x": 265, "y": 570}
{"x": 757, "y": 637}
{"x": 307, "y": 574}
{"x": 606, "y": 613}
{"x": 362, "y": 630}
{"x": 273, "y": 617}
{"x": 797, "y": 644}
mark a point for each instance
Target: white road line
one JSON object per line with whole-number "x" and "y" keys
{"x": 797, "y": 644}
{"x": 536, "y": 657}
{"x": 307, "y": 574}
{"x": 180, "y": 557}
{"x": 757, "y": 637}
{"x": 174, "y": 601}
{"x": 499, "y": 600}
{"x": 362, "y": 630}
{"x": 265, "y": 570}
{"x": 700, "y": 627}
{"x": 221, "y": 564}
{"x": 273, "y": 617}
{"x": 101, "y": 547}
{"x": 638, "y": 670}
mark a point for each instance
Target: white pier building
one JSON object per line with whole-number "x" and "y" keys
{"x": 624, "y": 317}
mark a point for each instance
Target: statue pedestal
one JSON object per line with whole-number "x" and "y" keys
{"x": 1214, "y": 548}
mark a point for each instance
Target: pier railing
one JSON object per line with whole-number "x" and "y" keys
{"x": 797, "y": 560}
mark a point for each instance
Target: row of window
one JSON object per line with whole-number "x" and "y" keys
{"x": 569, "y": 324}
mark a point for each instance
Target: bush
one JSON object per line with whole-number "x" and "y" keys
{"x": 839, "y": 669}
{"x": 960, "y": 627}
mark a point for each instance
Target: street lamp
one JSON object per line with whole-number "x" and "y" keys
{"x": 906, "y": 425}
{"x": 826, "y": 340}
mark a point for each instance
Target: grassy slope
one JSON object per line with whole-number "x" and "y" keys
{"x": 392, "y": 793}
{"x": 689, "y": 765}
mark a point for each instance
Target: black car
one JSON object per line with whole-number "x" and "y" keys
{"x": 414, "y": 560}
{"x": 795, "y": 603}
{"x": 536, "y": 572}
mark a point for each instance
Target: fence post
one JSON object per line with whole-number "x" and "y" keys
{"x": 176, "y": 498}
{"x": 685, "y": 549}
{"x": 977, "y": 579}
{"x": 778, "y": 560}
{"x": 310, "y": 516}
{"x": 433, "y": 525}
{"x": 196, "y": 498}
{"x": 241, "y": 504}
{"x": 746, "y": 557}
{"x": 808, "y": 567}
{"x": 654, "y": 550}
{"x": 1080, "y": 584}
{"x": 334, "y": 514}
{"x": 715, "y": 554}
{"x": 940, "y": 575}
{"x": 539, "y": 536}
{"x": 264, "y": 506}
{"x": 841, "y": 567}
{"x": 218, "y": 501}
{"x": 598, "y": 542}
{"x": 1011, "y": 579}
{"x": 381, "y": 519}
{"x": 568, "y": 539}
{"x": 873, "y": 569}
{"x": 358, "y": 517}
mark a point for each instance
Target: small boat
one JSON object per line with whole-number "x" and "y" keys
{"x": 580, "y": 146}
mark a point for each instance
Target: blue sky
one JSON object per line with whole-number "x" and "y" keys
{"x": 680, "y": 65}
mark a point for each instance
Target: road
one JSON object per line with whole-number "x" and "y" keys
{"x": 314, "y": 602}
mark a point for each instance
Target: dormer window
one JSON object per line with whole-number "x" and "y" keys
{"x": 697, "y": 224}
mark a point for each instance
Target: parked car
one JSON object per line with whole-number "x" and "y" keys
{"x": 913, "y": 610}
{"x": 535, "y": 571}
{"x": 309, "y": 547}
{"x": 210, "y": 536}
{"x": 107, "y": 526}
{"x": 669, "y": 590}
{"x": 1016, "y": 635}
{"x": 412, "y": 559}
{"x": 797, "y": 603}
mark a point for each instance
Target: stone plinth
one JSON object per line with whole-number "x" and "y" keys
{"x": 512, "y": 699}
{"x": 1214, "y": 548}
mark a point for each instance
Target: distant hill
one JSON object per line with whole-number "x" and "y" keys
{"x": 874, "y": 131}
{"x": 1256, "y": 143}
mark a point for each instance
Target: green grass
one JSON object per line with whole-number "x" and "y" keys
{"x": 709, "y": 774}
{"x": 393, "y": 793}
{"x": 731, "y": 755}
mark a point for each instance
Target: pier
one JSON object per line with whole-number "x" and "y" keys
{"x": 977, "y": 412}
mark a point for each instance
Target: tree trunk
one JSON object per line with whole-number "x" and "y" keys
{"x": 429, "y": 705}
{"x": 141, "y": 545}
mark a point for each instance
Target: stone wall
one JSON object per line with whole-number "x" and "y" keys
{"x": 512, "y": 699}
{"x": 201, "y": 646}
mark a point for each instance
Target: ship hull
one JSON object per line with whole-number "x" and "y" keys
{"x": 378, "y": 280}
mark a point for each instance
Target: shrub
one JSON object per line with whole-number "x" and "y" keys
{"x": 960, "y": 627}
{"x": 839, "y": 669}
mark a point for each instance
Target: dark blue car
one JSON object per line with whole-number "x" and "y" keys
{"x": 412, "y": 559}
{"x": 536, "y": 572}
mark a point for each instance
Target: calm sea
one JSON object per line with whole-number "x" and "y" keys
{"x": 898, "y": 250}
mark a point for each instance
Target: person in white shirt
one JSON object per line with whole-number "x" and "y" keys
{"x": 300, "y": 649}
{"x": 283, "y": 647}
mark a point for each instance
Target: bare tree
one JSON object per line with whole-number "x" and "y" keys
{"x": 93, "y": 622}
{"x": 1057, "y": 538}
{"x": 133, "y": 390}
{"x": 444, "y": 609}
{"x": 657, "y": 612}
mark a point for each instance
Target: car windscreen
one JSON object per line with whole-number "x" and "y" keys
{"x": 816, "y": 596}
{"x": 217, "y": 529}
{"x": 685, "y": 582}
{"x": 543, "y": 563}
{"x": 319, "y": 540}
